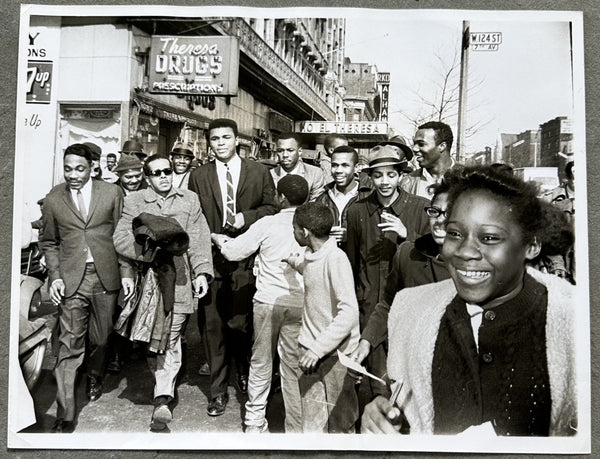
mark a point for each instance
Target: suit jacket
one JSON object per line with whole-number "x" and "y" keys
{"x": 255, "y": 198}
{"x": 312, "y": 174}
{"x": 66, "y": 236}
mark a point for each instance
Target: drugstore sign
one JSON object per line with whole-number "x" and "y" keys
{"x": 194, "y": 65}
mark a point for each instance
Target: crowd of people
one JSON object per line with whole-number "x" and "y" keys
{"x": 433, "y": 275}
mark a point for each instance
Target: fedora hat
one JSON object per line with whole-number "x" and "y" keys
{"x": 128, "y": 162}
{"x": 133, "y": 147}
{"x": 398, "y": 141}
{"x": 383, "y": 155}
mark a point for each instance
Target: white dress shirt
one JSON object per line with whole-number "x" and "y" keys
{"x": 235, "y": 166}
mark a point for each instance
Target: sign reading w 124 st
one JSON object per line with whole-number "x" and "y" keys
{"x": 198, "y": 65}
{"x": 485, "y": 41}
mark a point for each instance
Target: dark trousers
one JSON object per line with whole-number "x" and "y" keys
{"x": 86, "y": 314}
{"x": 225, "y": 322}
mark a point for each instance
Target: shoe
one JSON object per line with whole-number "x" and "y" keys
{"x": 242, "y": 383}
{"x": 217, "y": 405}
{"x": 62, "y": 426}
{"x": 162, "y": 413}
{"x": 204, "y": 369}
{"x": 263, "y": 428}
{"x": 94, "y": 388}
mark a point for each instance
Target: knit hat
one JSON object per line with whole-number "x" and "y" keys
{"x": 128, "y": 162}
{"x": 96, "y": 150}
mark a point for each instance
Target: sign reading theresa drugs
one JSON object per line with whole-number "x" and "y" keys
{"x": 194, "y": 65}
{"x": 341, "y": 127}
{"x": 485, "y": 41}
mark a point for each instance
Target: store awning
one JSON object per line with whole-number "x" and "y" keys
{"x": 151, "y": 106}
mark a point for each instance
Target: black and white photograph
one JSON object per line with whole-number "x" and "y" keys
{"x": 300, "y": 228}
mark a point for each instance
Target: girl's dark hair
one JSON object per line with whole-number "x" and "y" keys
{"x": 557, "y": 235}
{"x": 520, "y": 196}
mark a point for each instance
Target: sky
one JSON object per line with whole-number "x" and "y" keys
{"x": 523, "y": 84}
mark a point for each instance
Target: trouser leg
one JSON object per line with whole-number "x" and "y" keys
{"x": 287, "y": 347}
{"x": 169, "y": 363}
{"x": 102, "y": 309}
{"x": 261, "y": 364}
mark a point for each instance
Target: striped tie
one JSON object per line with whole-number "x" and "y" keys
{"x": 230, "y": 198}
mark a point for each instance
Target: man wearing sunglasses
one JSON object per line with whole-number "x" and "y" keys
{"x": 193, "y": 269}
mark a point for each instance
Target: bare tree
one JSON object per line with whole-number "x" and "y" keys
{"x": 438, "y": 100}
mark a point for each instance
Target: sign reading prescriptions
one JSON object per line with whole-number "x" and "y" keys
{"x": 341, "y": 127}
{"x": 194, "y": 65}
{"x": 485, "y": 41}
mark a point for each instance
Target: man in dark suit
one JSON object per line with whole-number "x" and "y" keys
{"x": 234, "y": 193}
{"x": 85, "y": 274}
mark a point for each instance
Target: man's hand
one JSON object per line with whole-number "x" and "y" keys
{"x": 239, "y": 221}
{"x": 379, "y": 417}
{"x": 219, "y": 239}
{"x": 308, "y": 361}
{"x": 200, "y": 286}
{"x": 361, "y": 352}
{"x": 392, "y": 223}
{"x": 127, "y": 284}
{"x": 338, "y": 232}
{"x": 57, "y": 291}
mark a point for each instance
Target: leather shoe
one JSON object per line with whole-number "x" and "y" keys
{"x": 94, "y": 388}
{"x": 62, "y": 426}
{"x": 114, "y": 366}
{"x": 217, "y": 405}
{"x": 242, "y": 383}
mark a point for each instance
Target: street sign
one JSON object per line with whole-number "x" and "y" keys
{"x": 485, "y": 41}
{"x": 383, "y": 78}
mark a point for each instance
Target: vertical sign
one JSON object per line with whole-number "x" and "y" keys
{"x": 383, "y": 80}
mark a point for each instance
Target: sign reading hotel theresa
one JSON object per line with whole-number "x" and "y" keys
{"x": 198, "y": 65}
{"x": 341, "y": 127}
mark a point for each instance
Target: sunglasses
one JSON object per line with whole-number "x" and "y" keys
{"x": 158, "y": 172}
{"x": 435, "y": 212}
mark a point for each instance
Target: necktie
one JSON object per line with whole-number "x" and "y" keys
{"x": 81, "y": 204}
{"x": 230, "y": 219}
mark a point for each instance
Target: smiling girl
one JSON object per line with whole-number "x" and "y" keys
{"x": 493, "y": 344}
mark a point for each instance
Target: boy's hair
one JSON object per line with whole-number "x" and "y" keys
{"x": 79, "y": 149}
{"x": 294, "y": 188}
{"x": 443, "y": 132}
{"x": 111, "y": 155}
{"x": 151, "y": 159}
{"x": 222, "y": 123}
{"x": 346, "y": 149}
{"x": 315, "y": 217}
{"x": 331, "y": 138}
{"x": 291, "y": 135}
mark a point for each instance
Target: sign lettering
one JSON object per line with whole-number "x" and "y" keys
{"x": 485, "y": 41}
{"x": 341, "y": 127}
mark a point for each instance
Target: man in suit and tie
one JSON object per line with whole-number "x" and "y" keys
{"x": 234, "y": 193}
{"x": 85, "y": 275}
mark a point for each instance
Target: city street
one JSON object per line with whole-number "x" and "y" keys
{"x": 126, "y": 403}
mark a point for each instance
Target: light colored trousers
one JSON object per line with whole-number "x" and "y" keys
{"x": 276, "y": 327}
{"x": 166, "y": 366}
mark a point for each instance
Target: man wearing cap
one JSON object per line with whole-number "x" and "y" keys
{"x": 85, "y": 275}
{"x": 377, "y": 224}
{"x": 432, "y": 144}
{"x": 129, "y": 170}
{"x": 133, "y": 147}
{"x": 96, "y": 171}
{"x": 234, "y": 193}
{"x": 181, "y": 159}
{"x": 290, "y": 162}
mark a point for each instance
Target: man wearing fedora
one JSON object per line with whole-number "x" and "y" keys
{"x": 432, "y": 144}
{"x": 181, "y": 160}
{"x": 377, "y": 224}
{"x": 129, "y": 169}
{"x": 133, "y": 147}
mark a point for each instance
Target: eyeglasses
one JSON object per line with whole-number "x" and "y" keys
{"x": 435, "y": 212}
{"x": 158, "y": 172}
